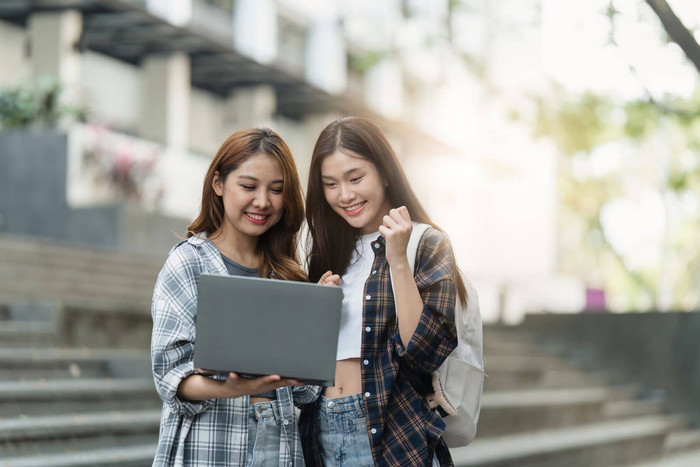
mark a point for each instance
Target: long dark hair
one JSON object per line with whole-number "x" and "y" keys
{"x": 278, "y": 244}
{"x": 332, "y": 238}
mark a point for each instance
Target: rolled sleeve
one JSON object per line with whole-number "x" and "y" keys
{"x": 172, "y": 341}
{"x": 436, "y": 335}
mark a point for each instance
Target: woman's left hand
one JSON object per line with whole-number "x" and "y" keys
{"x": 396, "y": 229}
{"x": 328, "y": 278}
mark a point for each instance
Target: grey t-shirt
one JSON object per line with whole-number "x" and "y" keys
{"x": 235, "y": 269}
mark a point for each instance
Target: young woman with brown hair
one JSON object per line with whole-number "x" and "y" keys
{"x": 251, "y": 212}
{"x": 359, "y": 209}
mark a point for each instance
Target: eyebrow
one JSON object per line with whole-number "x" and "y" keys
{"x": 345, "y": 174}
{"x": 250, "y": 177}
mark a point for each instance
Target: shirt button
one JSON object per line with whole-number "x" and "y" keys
{"x": 286, "y": 422}
{"x": 366, "y": 362}
{"x": 367, "y": 394}
{"x": 376, "y": 245}
{"x": 368, "y": 297}
{"x": 368, "y": 329}
{"x": 331, "y": 405}
{"x": 374, "y": 272}
{"x": 374, "y": 431}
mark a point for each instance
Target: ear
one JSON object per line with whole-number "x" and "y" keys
{"x": 217, "y": 184}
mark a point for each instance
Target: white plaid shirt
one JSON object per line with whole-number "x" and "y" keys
{"x": 212, "y": 432}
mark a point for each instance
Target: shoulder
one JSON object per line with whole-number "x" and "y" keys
{"x": 433, "y": 241}
{"x": 434, "y": 257}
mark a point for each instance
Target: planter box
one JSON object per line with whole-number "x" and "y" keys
{"x": 33, "y": 187}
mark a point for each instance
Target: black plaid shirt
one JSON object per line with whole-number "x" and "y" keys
{"x": 403, "y": 430}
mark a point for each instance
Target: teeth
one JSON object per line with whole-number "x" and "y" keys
{"x": 355, "y": 207}
{"x": 257, "y": 217}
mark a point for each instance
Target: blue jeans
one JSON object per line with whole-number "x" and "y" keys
{"x": 343, "y": 432}
{"x": 263, "y": 434}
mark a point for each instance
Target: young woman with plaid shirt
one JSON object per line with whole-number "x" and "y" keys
{"x": 359, "y": 209}
{"x": 252, "y": 208}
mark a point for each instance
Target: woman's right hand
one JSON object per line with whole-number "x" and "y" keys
{"x": 198, "y": 387}
{"x": 237, "y": 386}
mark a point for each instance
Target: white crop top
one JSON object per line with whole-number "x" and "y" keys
{"x": 353, "y": 285}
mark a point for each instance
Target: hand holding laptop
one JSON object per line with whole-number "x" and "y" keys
{"x": 234, "y": 385}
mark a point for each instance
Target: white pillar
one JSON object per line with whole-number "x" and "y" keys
{"x": 384, "y": 88}
{"x": 252, "y": 106}
{"x": 177, "y": 12}
{"x": 255, "y": 29}
{"x": 166, "y": 99}
{"x": 326, "y": 62}
{"x": 53, "y": 37}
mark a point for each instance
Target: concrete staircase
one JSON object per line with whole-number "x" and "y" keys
{"x": 542, "y": 409}
{"x": 75, "y": 382}
{"x": 76, "y": 389}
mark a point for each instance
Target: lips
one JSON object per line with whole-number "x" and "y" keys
{"x": 256, "y": 218}
{"x": 355, "y": 209}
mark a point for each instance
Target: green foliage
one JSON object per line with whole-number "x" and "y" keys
{"x": 656, "y": 148}
{"x": 37, "y": 105}
{"x": 363, "y": 62}
{"x": 577, "y": 124}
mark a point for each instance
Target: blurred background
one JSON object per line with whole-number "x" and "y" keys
{"x": 556, "y": 141}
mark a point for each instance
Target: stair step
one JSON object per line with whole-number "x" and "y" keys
{"x": 23, "y": 333}
{"x": 28, "y": 398}
{"x": 501, "y": 363}
{"x": 508, "y": 412}
{"x": 607, "y": 443}
{"x": 684, "y": 459}
{"x": 683, "y": 440}
{"x": 17, "y": 363}
{"x": 632, "y": 408}
{"x": 533, "y": 378}
{"x": 126, "y": 456}
{"x": 70, "y": 426}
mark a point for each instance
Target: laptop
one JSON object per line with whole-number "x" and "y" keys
{"x": 256, "y": 326}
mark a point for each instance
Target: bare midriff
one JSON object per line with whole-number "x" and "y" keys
{"x": 255, "y": 400}
{"x": 348, "y": 379}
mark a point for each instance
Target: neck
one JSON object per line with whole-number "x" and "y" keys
{"x": 241, "y": 248}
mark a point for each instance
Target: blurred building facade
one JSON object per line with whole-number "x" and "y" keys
{"x": 166, "y": 82}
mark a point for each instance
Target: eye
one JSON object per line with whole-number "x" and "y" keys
{"x": 355, "y": 179}
{"x": 276, "y": 190}
{"x": 248, "y": 187}
{"x": 330, "y": 184}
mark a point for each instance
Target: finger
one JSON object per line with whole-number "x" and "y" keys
{"x": 325, "y": 275}
{"x": 384, "y": 231}
{"x": 396, "y": 216}
{"x": 403, "y": 211}
{"x": 389, "y": 222}
{"x": 334, "y": 279}
{"x": 233, "y": 376}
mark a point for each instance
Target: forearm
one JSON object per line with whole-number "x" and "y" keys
{"x": 199, "y": 388}
{"x": 408, "y": 301}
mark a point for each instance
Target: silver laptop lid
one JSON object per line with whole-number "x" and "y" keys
{"x": 260, "y": 327}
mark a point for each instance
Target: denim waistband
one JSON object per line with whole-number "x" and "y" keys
{"x": 352, "y": 403}
{"x": 261, "y": 410}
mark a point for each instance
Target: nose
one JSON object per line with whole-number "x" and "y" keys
{"x": 346, "y": 193}
{"x": 262, "y": 199}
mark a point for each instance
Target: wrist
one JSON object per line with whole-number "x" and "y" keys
{"x": 399, "y": 265}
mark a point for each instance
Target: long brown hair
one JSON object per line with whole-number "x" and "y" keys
{"x": 332, "y": 238}
{"x": 278, "y": 245}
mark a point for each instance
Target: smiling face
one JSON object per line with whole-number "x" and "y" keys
{"x": 252, "y": 196}
{"x": 354, "y": 189}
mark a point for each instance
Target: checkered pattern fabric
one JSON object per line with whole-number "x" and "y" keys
{"x": 403, "y": 430}
{"x": 212, "y": 432}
